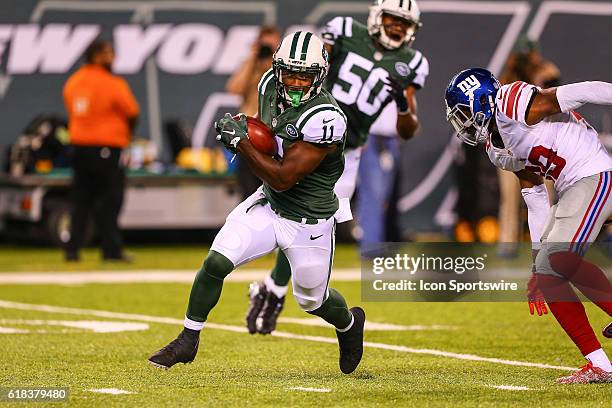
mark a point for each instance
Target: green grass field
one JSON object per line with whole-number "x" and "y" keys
{"x": 236, "y": 369}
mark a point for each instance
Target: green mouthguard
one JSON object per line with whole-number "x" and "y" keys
{"x": 296, "y": 97}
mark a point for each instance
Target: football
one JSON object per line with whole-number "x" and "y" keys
{"x": 261, "y": 136}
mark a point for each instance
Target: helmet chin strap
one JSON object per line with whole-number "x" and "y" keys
{"x": 295, "y": 96}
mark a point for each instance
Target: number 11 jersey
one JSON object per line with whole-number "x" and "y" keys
{"x": 562, "y": 147}
{"x": 359, "y": 70}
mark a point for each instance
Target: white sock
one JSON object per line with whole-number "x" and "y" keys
{"x": 279, "y": 291}
{"x": 599, "y": 359}
{"x": 192, "y": 324}
{"x": 347, "y": 328}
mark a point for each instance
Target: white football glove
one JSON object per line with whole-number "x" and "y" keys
{"x": 504, "y": 159}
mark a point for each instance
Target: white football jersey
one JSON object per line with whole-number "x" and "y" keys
{"x": 562, "y": 147}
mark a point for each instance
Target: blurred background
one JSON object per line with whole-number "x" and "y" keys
{"x": 177, "y": 57}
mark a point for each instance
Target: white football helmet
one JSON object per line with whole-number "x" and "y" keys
{"x": 404, "y": 9}
{"x": 300, "y": 52}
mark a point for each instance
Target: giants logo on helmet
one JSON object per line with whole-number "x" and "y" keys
{"x": 469, "y": 85}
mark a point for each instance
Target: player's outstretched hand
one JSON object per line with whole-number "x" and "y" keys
{"x": 535, "y": 297}
{"x": 231, "y": 131}
{"x": 397, "y": 93}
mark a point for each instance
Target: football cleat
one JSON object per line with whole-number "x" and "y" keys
{"x": 266, "y": 323}
{"x": 351, "y": 342}
{"x": 587, "y": 374}
{"x": 607, "y": 331}
{"x": 257, "y": 298}
{"x": 183, "y": 349}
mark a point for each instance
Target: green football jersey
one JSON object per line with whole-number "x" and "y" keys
{"x": 318, "y": 121}
{"x": 358, "y": 71}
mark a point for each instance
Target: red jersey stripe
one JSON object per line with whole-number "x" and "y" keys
{"x": 517, "y": 99}
{"x": 512, "y": 98}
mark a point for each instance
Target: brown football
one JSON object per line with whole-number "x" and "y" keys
{"x": 261, "y": 137}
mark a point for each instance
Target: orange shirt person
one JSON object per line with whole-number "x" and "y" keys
{"x": 101, "y": 107}
{"x": 102, "y": 113}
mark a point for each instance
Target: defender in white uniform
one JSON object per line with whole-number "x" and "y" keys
{"x": 537, "y": 134}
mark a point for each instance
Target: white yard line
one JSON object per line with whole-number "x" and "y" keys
{"x": 10, "y": 330}
{"x": 174, "y": 276}
{"x": 239, "y": 329}
{"x": 510, "y": 387}
{"x": 95, "y": 326}
{"x": 369, "y": 325}
{"x": 113, "y": 391}
{"x": 308, "y": 389}
{"x": 187, "y": 276}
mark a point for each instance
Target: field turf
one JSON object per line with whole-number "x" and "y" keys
{"x": 234, "y": 368}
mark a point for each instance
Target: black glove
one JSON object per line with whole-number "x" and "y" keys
{"x": 397, "y": 94}
{"x": 230, "y": 131}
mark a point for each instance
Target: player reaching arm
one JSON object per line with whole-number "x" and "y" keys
{"x": 541, "y": 133}
{"x": 535, "y": 196}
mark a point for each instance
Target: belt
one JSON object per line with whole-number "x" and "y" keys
{"x": 301, "y": 220}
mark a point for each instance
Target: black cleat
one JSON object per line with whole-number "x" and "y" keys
{"x": 351, "y": 342}
{"x": 607, "y": 331}
{"x": 269, "y": 313}
{"x": 257, "y": 298}
{"x": 183, "y": 349}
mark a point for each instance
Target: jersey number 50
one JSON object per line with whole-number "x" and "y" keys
{"x": 358, "y": 90}
{"x": 546, "y": 162}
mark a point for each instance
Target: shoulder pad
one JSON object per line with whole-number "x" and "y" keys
{"x": 324, "y": 123}
{"x": 265, "y": 81}
{"x": 336, "y": 28}
{"x": 512, "y": 100}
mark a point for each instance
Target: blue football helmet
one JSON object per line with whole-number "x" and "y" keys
{"x": 470, "y": 104}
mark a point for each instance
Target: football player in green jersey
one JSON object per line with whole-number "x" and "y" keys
{"x": 295, "y": 208}
{"x": 370, "y": 66}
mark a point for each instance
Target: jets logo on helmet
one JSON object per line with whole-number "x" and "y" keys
{"x": 407, "y": 10}
{"x": 470, "y": 104}
{"x": 302, "y": 54}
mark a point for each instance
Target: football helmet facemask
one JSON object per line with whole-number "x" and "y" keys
{"x": 470, "y": 104}
{"x": 407, "y": 10}
{"x": 300, "y": 55}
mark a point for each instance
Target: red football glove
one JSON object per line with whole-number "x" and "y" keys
{"x": 535, "y": 297}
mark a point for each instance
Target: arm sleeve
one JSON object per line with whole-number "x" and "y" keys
{"x": 573, "y": 96}
{"x": 336, "y": 28}
{"x": 126, "y": 101}
{"x": 515, "y": 100}
{"x": 536, "y": 199}
{"x": 326, "y": 125}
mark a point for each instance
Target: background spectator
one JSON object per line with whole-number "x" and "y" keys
{"x": 524, "y": 64}
{"x": 244, "y": 83}
{"x": 102, "y": 113}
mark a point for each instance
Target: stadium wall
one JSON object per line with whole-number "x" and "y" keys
{"x": 177, "y": 56}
